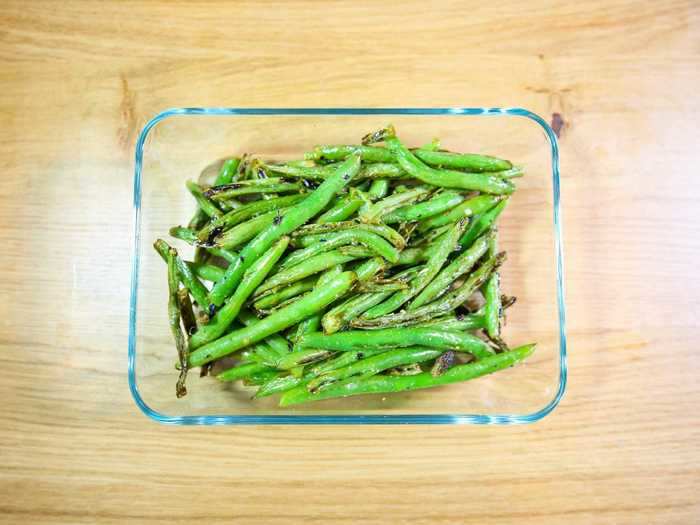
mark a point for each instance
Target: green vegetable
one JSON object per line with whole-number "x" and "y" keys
{"x": 461, "y": 265}
{"x": 417, "y": 212}
{"x": 230, "y": 310}
{"x": 380, "y": 384}
{"x": 437, "y": 259}
{"x": 375, "y": 364}
{"x": 281, "y": 319}
{"x": 396, "y": 337}
{"x": 343, "y": 237}
{"x": 292, "y": 219}
{"x": 207, "y": 206}
{"x": 174, "y": 321}
{"x": 379, "y": 246}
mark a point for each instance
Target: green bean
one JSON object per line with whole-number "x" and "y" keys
{"x": 278, "y": 384}
{"x": 208, "y": 272}
{"x": 203, "y": 202}
{"x": 239, "y": 188}
{"x": 276, "y": 297}
{"x": 292, "y": 219}
{"x": 481, "y": 223}
{"x": 307, "y": 326}
{"x": 381, "y": 170}
{"x": 385, "y": 384}
{"x": 229, "y": 311}
{"x": 339, "y": 316}
{"x": 174, "y": 321}
{"x": 200, "y": 218}
{"x": 287, "y": 302}
{"x": 436, "y": 261}
{"x": 374, "y": 365}
{"x": 388, "y": 286}
{"x": 468, "y": 208}
{"x": 492, "y": 297}
{"x": 412, "y": 256}
{"x": 465, "y": 161}
{"x": 396, "y": 337}
{"x": 317, "y": 173}
{"x": 364, "y": 271}
{"x": 483, "y": 182}
{"x": 341, "y": 238}
{"x": 264, "y": 354}
{"x": 344, "y": 359}
{"x": 184, "y": 234}
{"x": 417, "y": 212}
{"x": 369, "y": 268}
{"x": 358, "y": 252}
{"x": 314, "y": 302}
{"x": 302, "y": 357}
{"x": 191, "y": 282}
{"x": 311, "y": 266}
{"x": 512, "y": 173}
{"x": 310, "y": 234}
{"x": 245, "y": 231}
{"x": 460, "y": 266}
{"x": 186, "y": 311}
{"x": 241, "y": 371}
{"x": 374, "y": 212}
{"x": 462, "y": 161}
{"x": 208, "y": 233}
{"x": 190, "y": 237}
{"x": 459, "y": 323}
{"x": 262, "y": 377}
{"x": 275, "y": 341}
{"x": 345, "y": 208}
{"x": 442, "y": 306}
{"x": 228, "y": 172}
{"x": 336, "y": 153}
{"x": 378, "y": 189}
{"x": 433, "y": 236}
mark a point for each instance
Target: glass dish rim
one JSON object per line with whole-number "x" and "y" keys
{"x": 435, "y": 419}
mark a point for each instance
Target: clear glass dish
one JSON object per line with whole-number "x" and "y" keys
{"x": 187, "y": 143}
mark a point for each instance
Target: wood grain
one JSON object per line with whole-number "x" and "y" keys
{"x": 79, "y": 79}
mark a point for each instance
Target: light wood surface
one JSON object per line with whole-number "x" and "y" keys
{"x": 79, "y": 79}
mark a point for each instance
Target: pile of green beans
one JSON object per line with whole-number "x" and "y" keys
{"x": 353, "y": 271}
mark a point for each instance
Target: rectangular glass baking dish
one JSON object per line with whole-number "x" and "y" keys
{"x": 188, "y": 143}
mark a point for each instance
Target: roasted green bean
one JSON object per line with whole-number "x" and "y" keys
{"x": 292, "y": 219}
{"x": 381, "y": 246}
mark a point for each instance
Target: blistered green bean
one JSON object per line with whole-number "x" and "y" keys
{"x": 468, "y": 208}
{"x": 217, "y": 226}
{"x": 442, "y": 306}
{"x": 481, "y": 223}
{"x": 437, "y": 259}
{"x": 423, "y": 210}
{"x": 384, "y": 384}
{"x": 396, "y": 337}
{"x": 375, "y": 364}
{"x": 231, "y": 308}
{"x": 460, "y": 266}
{"x": 191, "y": 282}
{"x": 276, "y": 297}
{"x": 206, "y": 205}
{"x": 290, "y": 221}
{"x": 314, "y": 302}
{"x": 334, "y": 240}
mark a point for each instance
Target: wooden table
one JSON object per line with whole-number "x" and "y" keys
{"x": 79, "y": 79}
